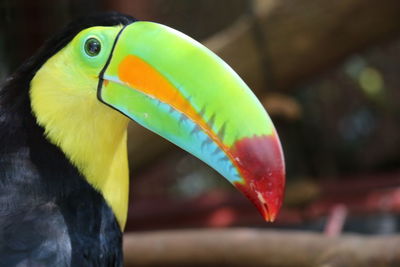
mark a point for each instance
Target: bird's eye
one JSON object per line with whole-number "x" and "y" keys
{"x": 92, "y": 47}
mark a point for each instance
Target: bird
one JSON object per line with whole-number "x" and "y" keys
{"x": 63, "y": 135}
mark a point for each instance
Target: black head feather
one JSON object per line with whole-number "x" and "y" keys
{"x": 62, "y": 38}
{"x": 24, "y": 74}
{"x": 14, "y": 93}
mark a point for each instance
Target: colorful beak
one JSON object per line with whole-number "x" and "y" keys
{"x": 176, "y": 87}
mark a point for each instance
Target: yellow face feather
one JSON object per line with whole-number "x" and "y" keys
{"x": 92, "y": 135}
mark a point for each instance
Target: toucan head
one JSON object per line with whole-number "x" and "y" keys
{"x": 171, "y": 84}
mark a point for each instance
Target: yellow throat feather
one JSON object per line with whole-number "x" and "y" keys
{"x": 92, "y": 135}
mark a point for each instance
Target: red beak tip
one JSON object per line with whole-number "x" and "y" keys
{"x": 268, "y": 214}
{"x": 267, "y": 203}
{"x": 262, "y": 168}
{"x": 269, "y": 217}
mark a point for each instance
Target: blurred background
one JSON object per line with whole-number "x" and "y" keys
{"x": 327, "y": 73}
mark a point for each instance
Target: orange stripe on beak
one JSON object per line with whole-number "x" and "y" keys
{"x": 141, "y": 76}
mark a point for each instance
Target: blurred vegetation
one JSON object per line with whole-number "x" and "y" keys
{"x": 350, "y": 117}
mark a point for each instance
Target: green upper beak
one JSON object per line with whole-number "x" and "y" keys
{"x": 176, "y": 87}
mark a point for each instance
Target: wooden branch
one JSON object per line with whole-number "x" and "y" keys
{"x": 248, "y": 247}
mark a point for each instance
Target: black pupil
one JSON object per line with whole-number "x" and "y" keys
{"x": 92, "y": 47}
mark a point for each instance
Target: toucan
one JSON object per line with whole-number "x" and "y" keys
{"x": 63, "y": 135}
